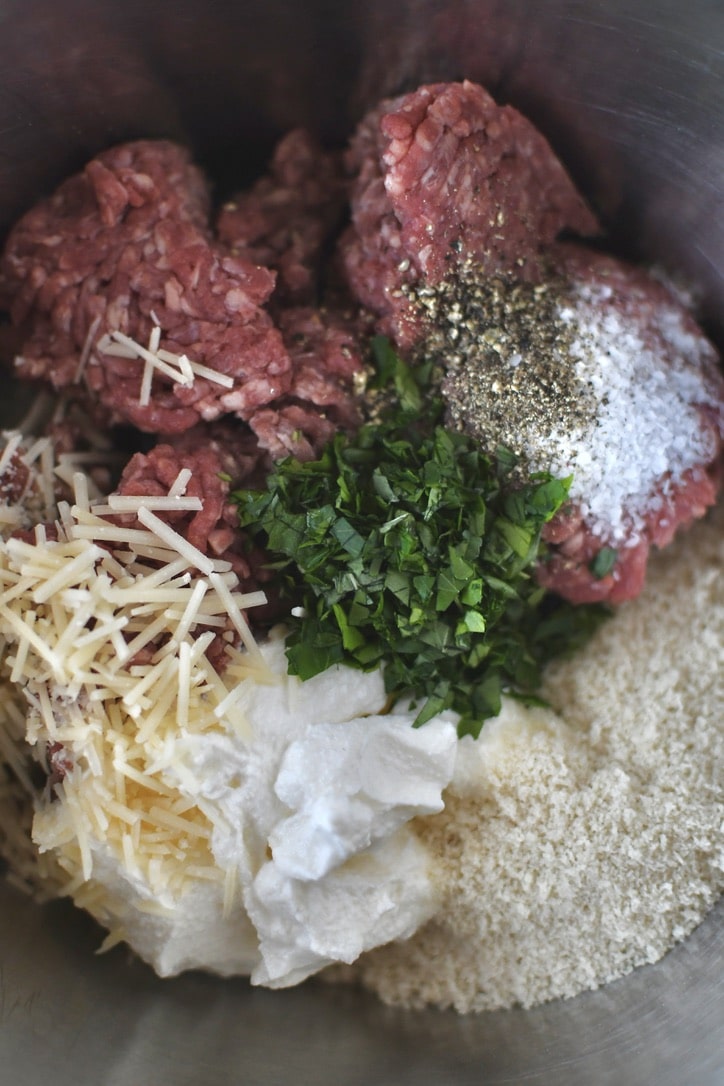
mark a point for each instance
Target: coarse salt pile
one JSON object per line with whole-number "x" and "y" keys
{"x": 647, "y": 430}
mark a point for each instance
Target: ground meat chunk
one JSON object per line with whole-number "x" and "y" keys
{"x": 14, "y": 478}
{"x": 241, "y": 459}
{"x": 220, "y": 457}
{"x": 444, "y": 177}
{"x": 326, "y": 361}
{"x": 286, "y": 219}
{"x": 118, "y": 247}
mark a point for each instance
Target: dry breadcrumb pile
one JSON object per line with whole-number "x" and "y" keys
{"x": 579, "y": 843}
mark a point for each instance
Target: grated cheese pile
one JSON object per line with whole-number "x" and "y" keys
{"x": 74, "y": 613}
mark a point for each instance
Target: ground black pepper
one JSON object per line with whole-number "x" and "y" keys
{"x": 505, "y": 350}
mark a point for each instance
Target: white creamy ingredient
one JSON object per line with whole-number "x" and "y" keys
{"x": 313, "y": 812}
{"x": 310, "y": 810}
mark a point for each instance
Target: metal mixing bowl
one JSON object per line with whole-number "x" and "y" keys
{"x": 631, "y": 93}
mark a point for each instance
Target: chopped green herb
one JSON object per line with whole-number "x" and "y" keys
{"x": 603, "y": 562}
{"x": 407, "y": 547}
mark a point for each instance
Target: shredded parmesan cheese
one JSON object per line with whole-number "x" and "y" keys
{"x": 177, "y": 367}
{"x": 110, "y": 651}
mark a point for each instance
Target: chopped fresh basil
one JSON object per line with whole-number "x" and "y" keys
{"x": 406, "y": 547}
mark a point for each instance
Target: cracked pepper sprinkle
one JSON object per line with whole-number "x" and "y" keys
{"x": 574, "y": 382}
{"x": 507, "y": 356}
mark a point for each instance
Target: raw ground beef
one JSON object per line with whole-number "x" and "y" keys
{"x": 126, "y": 244}
{"x": 221, "y": 457}
{"x": 442, "y": 177}
{"x": 326, "y": 358}
{"x": 287, "y": 218}
{"x": 119, "y": 245}
{"x": 569, "y": 568}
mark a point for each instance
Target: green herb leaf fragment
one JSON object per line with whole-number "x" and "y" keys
{"x": 603, "y": 562}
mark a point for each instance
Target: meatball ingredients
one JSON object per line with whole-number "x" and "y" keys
{"x": 385, "y": 408}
